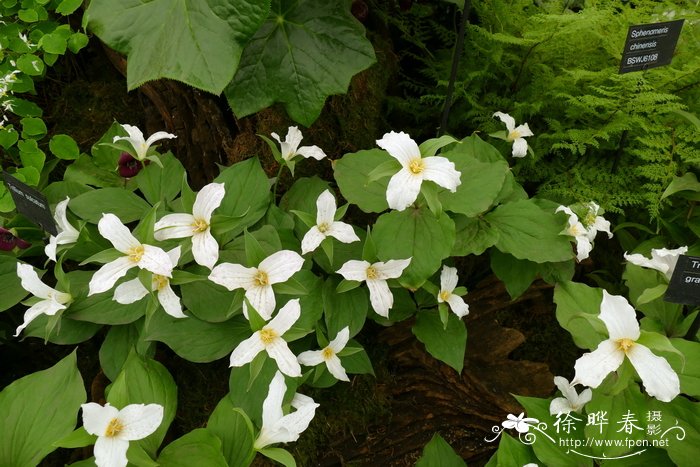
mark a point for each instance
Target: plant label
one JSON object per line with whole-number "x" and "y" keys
{"x": 650, "y": 45}
{"x": 685, "y": 282}
{"x": 31, "y": 203}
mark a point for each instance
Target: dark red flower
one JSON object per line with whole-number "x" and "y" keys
{"x": 129, "y": 166}
{"x": 8, "y": 241}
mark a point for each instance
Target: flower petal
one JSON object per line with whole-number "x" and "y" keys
{"x": 140, "y": 420}
{"x": 62, "y": 221}
{"x": 44, "y": 307}
{"x": 448, "y": 278}
{"x": 129, "y": 292}
{"x": 442, "y": 171}
{"x": 341, "y": 340}
{"x": 342, "y": 232}
{"x": 602, "y": 225}
{"x": 619, "y": 317}
{"x": 354, "y": 270}
{"x": 247, "y": 350}
{"x": 30, "y": 281}
{"x": 288, "y": 147}
{"x": 286, "y": 360}
{"x": 208, "y": 199}
{"x": 205, "y": 249}
{"x": 392, "y": 269}
{"x": 403, "y": 189}
{"x": 233, "y": 276}
{"x": 50, "y": 248}
{"x": 312, "y": 239}
{"x": 272, "y": 405}
{"x": 380, "y": 296}
{"x": 157, "y": 136}
{"x": 282, "y": 265}
{"x": 286, "y": 317}
{"x": 592, "y": 367}
{"x": 156, "y": 260}
{"x": 311, "y": 151}
{"x": 524, "y": 130}
{"x": 400, "y": 146}
{"x": 519, "y": 147}
{"x": 658, "y": 377}
{"x": 96, "y": 417}
{"x": 311, "y": 357}
{"x": 336, "y": 368}
{"x": 118, "y": 234}
{"x": 105, "y": 277}
{"x": 507, "y": 119}
{"x": 583, "y": 247}
{"x": 262, "y": 298}
{"x": 325, "y": 208}
{"x": 174, "y": 226}
{"x": 560, "y": 405}
{"x": 170, "y": 302}
{"x": 458, "y": 306}
{"x": 110, "y": 452}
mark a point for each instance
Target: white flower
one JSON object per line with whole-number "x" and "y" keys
{"x": 133, "y": 290}
{"x": 326, "y": 226}
{"x": 572, "y": 401}
{"x": 196, "y": 225}
{"x": 585, "y": 232}
{"x": 404, "y": 186}
{"x": 146, "y": 257}
{"x": 280, "y": 428}
{"x": 139, "y": 144}
{"x": 23, "y": 38}
{"x": 516, "y": 135}
{"x": 269, "y": 339}
{"x": 376, "y": 275}
{"x": 290, "y": 146}
{"x": 662, "y": 259}
{"x": 52, "y": 299}
{"x": 329, "y": 355}
{"x": 660, "y": 381}
{"x": 448, "y": 283}
{"x": 257, "y": 282}
{"x": 115, "y": 428}
{"x": 66, "y": 232}
{"x": 521, "y": 424}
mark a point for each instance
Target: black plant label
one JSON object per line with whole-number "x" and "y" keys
{"x": 31, "y": 203}
{"x": 685, "y": 282}
{"x": 650, "y": 45}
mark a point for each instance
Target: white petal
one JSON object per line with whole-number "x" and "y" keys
{"x": 140, "y": 420}
{"x": 282, "y": 265}
{"x": 524, "y": 130}
{"x": 354, "y": 270}
{"x": 262, "y": 298}
{"x": 507, "y": 119}
{"x": 560, "y": 405}
{"x": 110, "y": 452}
{"x": 205, "y": 249}
{"x": 336, "y": 368}
{"x": 233, "y": 276}
{"x": 50, "y": 248}
{"x": 619, "y": 317}
{"x": 342, "y": 232}
{"x": 341, "y": 340}
{"x": 156, "y": 260}
{"x": 380, "y": 296}
{"x": 311, "y": 357}
{"x": 118, "y": 234}
{"x": 519, "y": 147}
{"x": 96, "y": 418}
{"x": 325, "y": 208}
{"x": 458, "y": 305}
{"x": 296, "y": 422}
{"x": 44, "y": 307}
{"x": 130, "y": 292}
{"x": 564, "y": 386}
{"x": 174, "y": 226}
{"x": 157, "y": 136}
{"x": 208, "y": 199}
{"x": 602, "y": 225}
{"x": 311, "y": 151}
{"x": 391, "y": 269}
{"x": 286, "y": 317}
{"x": 30, "y": 281}
{"x": 272, "y": 405}
{"x": 403, "y": 189}
{"x": 170, "y": 302}
{"x": 174, "y": 256}
{"x": 399, "y": 146}
{"x": 62, "y": 221}
{"x": 105, "y": 277}
{"x": 312, "y": 239}
{"x": 247, "y": 350}
{"x": 567, "y": 210}
{"x": 593, "y": 367}
{"x": 583, "y": 247}
{"x": 448, "y": 278}
{"x": 658, "y": 377}
{"x": 583, "y": 399}
{"x": 134, "y": 133}
{"x": 442, "y": 171}
{"x": 291, "y": 142}
{"x": 286, "y": 361}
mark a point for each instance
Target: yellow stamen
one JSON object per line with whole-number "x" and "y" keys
{"x": 260, "y": 279}
{"x": 372, "y": 273}
{"x": 590, "y": 218}
{"x": 445, "y": 295}
{"x": 200, "y": 225}
{"x": 159, "y": 282}
{"x": 114, "y": 428}
{"x": 135, "y": 254}
{"x": 625, "y": 344}
{"x": 416, "y": 166}
{"x": 513, "y": 135}
{"x": 267, "y": 335}
{"x": 323, "y": 227}
{"x": 327, "y": 353}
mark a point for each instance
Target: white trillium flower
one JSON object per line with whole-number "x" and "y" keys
{"x": 290, "y": 146}
{"x": 147, "y": 257}
{"x": 404, "y": 186}
{"x": 572, "y": 401}
{"x": 52, "y": 300}
{"x": 329, "y": 355}
{"x": 376, "y": 275}
{"x": 196, "y": 225}
{"x": 280, "y": 428}
{"x": 326, "y": 226}
{"x": 136, "y": 140}
{"x": 585, "y": 232}
{"x": 520, "y": 423}
{"x": 662, "y": 259}
{"x": 114, "y": 429}
{"x": 269, "y": 339}
{"x": 659, "y": 379}
{"x": 133, "y": 290}
{"x": 515, "y": 135}
{"x": 257, "y": 282}
{"x": 66, "y": 232}
{"x": 448, "y": 283}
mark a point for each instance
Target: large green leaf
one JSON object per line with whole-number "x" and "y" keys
{"x": 352, "y": 173}
{"x": 235, "y": 430}
{"x": 438, "y": 453}
{"x": 516, "y": 274}
{"x": 12, "y": 291}
{"x": 198, "y": 447}
{"x": 306, "y": 51}
{"x": 473, "y": 236}
{"x": 512, "y": 452}
{"x": 123, "y": 203}
{"x": 578, "y": 307}
{"x": 38, "y": 410}
{"x": 198, "y": 43}
{"x": 346, "y": 309}
{"x": 161, "y": 183}
{"x": 447, "y": 345}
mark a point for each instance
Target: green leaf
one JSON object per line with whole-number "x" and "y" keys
{"x": 210, "y": 302}
{"x": 437, "y": 453}
{"x": 31, "y": 155}
{"x": 526, "y": 231}
{"x": 346, "y": 309}
{"x": 688, "y": 367}
{"x": 161, "y": 184}
{"x": 77, "y": 41}
{"x": 12, "y": 291}
{"x": 417, "y": 234}
{"x": 38, "y": 410}
{"x": 280, "y": 455}
{"x": 84, "y": 171}
{"x": 102, "y": 309}
{"x": 64, "y": 147}
{"x": 447, "y": 345}
{"x": 685, "y": 414}
{"x": 431, "y": 146}
{"x": 77, "y": 439}
{"x": 53, "y": 44}
{"x": 116, "y": 347}
{"x": 235, "y": 430}
{"x": 8, "y": 137}
{"x": 198, "y": 43}
{"x": 516, "y": 274}
{"x": 652, "y": 293}
{"x": 513, "y": 452}
{"x": 687, "y": 182}
{"x": 473, "y": 236}
{"x": 123, "y": 203}
{"x": 352, "y": 172}
{"x": 66, "y": 7}
{"x": 65, "y": 331}
{"x": 297, "y": 58}
{"x": 578, "y": 307}
{"x": 198, "y": 447}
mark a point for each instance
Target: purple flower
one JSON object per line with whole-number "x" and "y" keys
{"x": 129, "y": 166}
{"x": 8, "y": 241}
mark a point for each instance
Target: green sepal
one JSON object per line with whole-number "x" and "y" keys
{"x": 254, "y": 318}
{"x": 253, "y": 251}
{"x": 347, "y": 285}
{"x": 155, "y": 159}
{"x": 305, "y": 217}
{"x": 273, "y": 148}
{"x": 369, "y": 249}
{"x": 280, "y": 455}
{"x": 103, "y": 257}
{"x": 256, "y": 367}
{"x": 444, "y": 313}
{"x": 78, "y": 439}
{"x": 221, "y": 224}
{"x": 327, "y": 247}
{"x": 184, "y": 277}
{"x": 187, "y": 196}
{"x": 340, "y": 212}
{"x": 385, "y": 169}
{"x": 431, "y": 146}
{"x": 430, "y": 193}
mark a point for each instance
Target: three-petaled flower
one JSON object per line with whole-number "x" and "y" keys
{"x": 659, "y": 379}
{"x": 520, "y": 423}
{"x": 196, "y": 225}
{"x": 448, "y": 283}
{"x": 137, "y": 141}
{"x": 376, "y": 275}
{"x": 405, "y": 185}
{"x": 257, "y": 282}
{"x": 326, "y": 226}
{"x": 114, "y": 429}
{"x": 280, "y": 428}
{"x": 585, "y": 232}
{"x": 51, "y": 299}
{"x": 290, "y": 146}
{"x": 269, "y": 339}
{"x": 329, "y": 355}
{"x": 147, "y": 257}
{"x": 66, "y": 232}
{"x": 572, "y": 401}
{"x": 515, "y": 135}
{"x": 662, "y": 259}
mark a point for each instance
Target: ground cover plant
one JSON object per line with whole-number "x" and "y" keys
{"x": 285, "y": 260}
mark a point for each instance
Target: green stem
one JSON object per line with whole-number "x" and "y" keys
{"x": 277, "y": 181}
